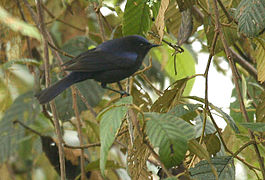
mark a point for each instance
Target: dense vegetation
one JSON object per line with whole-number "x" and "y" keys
{"x": 157, "y": 131}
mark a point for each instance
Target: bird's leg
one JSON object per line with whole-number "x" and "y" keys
{"x": 121, "y": 92}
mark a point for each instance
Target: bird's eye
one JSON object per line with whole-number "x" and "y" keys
{"x": 141, "y": 44}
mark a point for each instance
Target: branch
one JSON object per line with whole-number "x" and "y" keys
{"x": 47, "y": 78}
{"x": 235, "y": 79}
{"x": 79, "y": 130}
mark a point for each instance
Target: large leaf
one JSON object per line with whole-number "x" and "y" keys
{"x": 18, "y": 25}
{"x": 224, "y": 165}
{"x": 229, "y": 120}
{"x": 24, "y": 109}
{"x": 170, "y": 97}
{"x": 137, "y": 18}
{"x": 110, "y": 122}
{"x": 260, "y": 127}
{"x": 170, "y": 134}
{"x": 185, "y": 65}
{"x": 250, "y": 15}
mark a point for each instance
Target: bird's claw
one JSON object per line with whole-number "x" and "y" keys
{"x": 124, "y": 93}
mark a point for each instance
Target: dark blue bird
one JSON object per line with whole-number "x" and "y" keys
{"x": 109, "y": 62}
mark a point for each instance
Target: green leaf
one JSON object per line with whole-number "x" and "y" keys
{"x": 170, "y": 97}
{"x": 212, "y": 143}
{"x": 250, "y": 15}
{"x": 8, "y": 64}
{"x": 185, "y": 111}
{"x": 224, "y": 165}
{"x": 110, "y": 122}
{"x": 25, "y": 109}
{"x": 185, "y": 65}
{"x": 260, "y": 127}
{"x": 229, "y": 120}
{"x": 198, "y": 150}
{"x": 18, "y": 25}
{"x": 137, "y": 18}
{"x": 209, "y": 128}
{"x": 170, "y": 134}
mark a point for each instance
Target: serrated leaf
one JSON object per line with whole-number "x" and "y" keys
{"x": 110, "y": 122}
{"x": 137, "y": 18}
{"x": 170, "y": 97}
{"x": 170, "y": 134}
{"x": 224, "y": 165}
{"x": 250, "y": 15}
{"x": 25, "y": 109}
{"x": 18, "y": 25}
{"x": 260, "y": 127}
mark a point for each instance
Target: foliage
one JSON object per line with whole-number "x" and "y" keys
{"x": 159, "y": 126}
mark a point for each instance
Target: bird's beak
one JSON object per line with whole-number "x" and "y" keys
{"x": 154, "y": 45}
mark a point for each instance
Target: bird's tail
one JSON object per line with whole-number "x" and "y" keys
{"x": 51, "y": 92}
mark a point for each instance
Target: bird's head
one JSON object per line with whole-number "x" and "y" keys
{"x": 139, "y": 44}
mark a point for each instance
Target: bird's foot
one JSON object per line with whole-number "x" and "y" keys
{"x": 124, "y": 93}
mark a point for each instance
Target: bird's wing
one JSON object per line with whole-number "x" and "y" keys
{"x": 77, "y": 58}
{"x": 94, "y": 61}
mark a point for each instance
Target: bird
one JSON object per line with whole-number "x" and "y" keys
{"x": 109, "y": 62}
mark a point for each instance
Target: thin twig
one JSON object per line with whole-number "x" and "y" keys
{"x": 47, "y": 78}
{"x": 101, "y": 27}
{"x": 230, "y": 19}
{"x": 235, "y": 79}
{"x": 145, "y": 69}
{"x": 79, "y": 130}
{"x": 83, "y": 146}
{"x": 60, "y": 51}
{"x": 177, "y": 48}
{"x": 66, "y": 23}
{"x": 157, "y": 158}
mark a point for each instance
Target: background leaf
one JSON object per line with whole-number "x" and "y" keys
{"x": 137, "y": 18}
{"x": 110, "y": 123}
{"x": 170, "y": 134}
{"x": 224, "y": 166}
{"x": 19, "y": 25}
{"x": 250, "y": 15}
